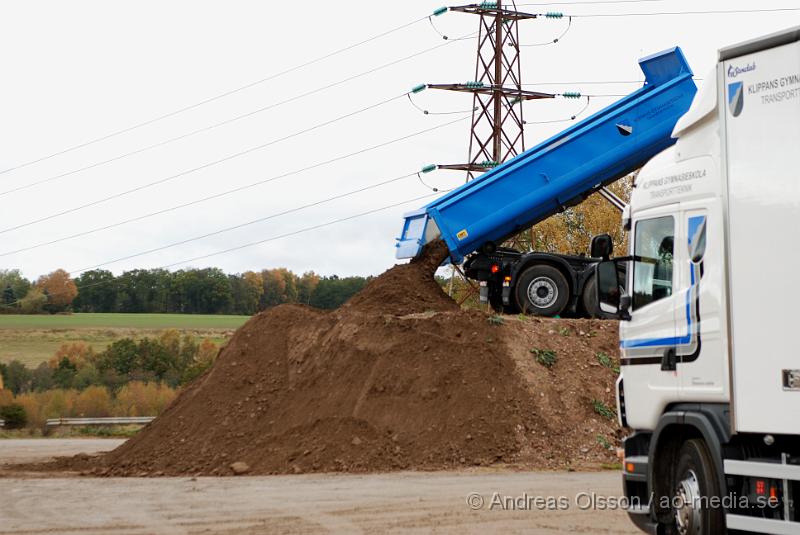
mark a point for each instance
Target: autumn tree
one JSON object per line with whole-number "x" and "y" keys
{"x": 306, "y": 285}
{"x": 94, "y": 401}
{"x": 246, "y": 291}
{"x": 13, "y": 279}
{"x": 33, "y": 302}
{"x": 571, "y": 231}
{"x": 60, "y": 290}
{"x": 204, "y": 291}
{"x": 9, "y": 297}
{"x": 276, "y": 287}
{"x": 77, "y": 353}
{"x": 333, "y": 291}
{"x": 98, "y": 291}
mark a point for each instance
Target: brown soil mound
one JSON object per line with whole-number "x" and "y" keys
{"x": 398, "y": 378}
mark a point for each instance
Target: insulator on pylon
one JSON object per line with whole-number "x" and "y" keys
{"x": 429, "y": 168}
{"x": 440, "y": 11}
{"x": 554, "y": 15}
{"x": 419, "y": 88}
{"x": 571, "y": 94}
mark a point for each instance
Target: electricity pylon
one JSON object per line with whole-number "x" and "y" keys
{"x": 497, "y": 130}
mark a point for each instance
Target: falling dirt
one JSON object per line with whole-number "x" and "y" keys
{"x": 398, "y": 378}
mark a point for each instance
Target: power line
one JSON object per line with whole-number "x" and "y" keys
{"x": 245, "y": 115}
{"x": 248, "y": 223}
{"x": 233, "y": 190}
{"x": 597, "y": 82}
{"x": 609, "y": 95}
{"x": 98, "y": 164}
{"x": 428, "y": 112}
{"x": 259, "y": 242}
{"x": 721, "y": 12}
{"x": 214, "y": 98}
{"x": 551, "y": 41}
{"x": 300, "y": 231}
{"x": 571, "y": 118}
{"x": 160, "y": 181}
{"x": 589, "y": 2}
{"x": 601, "y": 82}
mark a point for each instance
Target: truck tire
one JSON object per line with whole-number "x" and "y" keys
{"x": 542, "y": 291}
{"x": 695, "y": 481}
{"x": 496, "y": 302}
{"x": 589, "y": 298}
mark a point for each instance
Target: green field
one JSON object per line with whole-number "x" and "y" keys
{"x": 127, "y": 321}
{"x": 33, "y": 339}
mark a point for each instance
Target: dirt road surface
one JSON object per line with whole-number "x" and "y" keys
{"x": 408, "y": 502}
{"x": 27, "y": 450}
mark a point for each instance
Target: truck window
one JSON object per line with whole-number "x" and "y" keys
{"x": 652, "y": 270}
{"x": 697, "y": 238}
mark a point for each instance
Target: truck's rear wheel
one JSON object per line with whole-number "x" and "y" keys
{"x": 542, "y": 290}
{"x": 589, "y": 298}
{"x": 695, "y": 485}
{"x": 496, "y": 302}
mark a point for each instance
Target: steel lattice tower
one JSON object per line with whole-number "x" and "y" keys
{"x": 497, "y": 130}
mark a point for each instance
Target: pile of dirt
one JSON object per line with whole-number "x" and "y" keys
{"x": 398, "y": 378}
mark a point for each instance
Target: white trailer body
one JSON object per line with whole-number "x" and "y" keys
{"x": 762, "y": 134}
{"x": 710, "y": 379}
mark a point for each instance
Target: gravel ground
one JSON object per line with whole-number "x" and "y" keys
{"x": 406, "y": 502}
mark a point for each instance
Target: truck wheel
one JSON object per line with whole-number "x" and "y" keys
{"x": 542, "y": 291}
{"x": 496, "y": 302}
{"x": 589, "y": 298}
{"x": 695, "y": 486}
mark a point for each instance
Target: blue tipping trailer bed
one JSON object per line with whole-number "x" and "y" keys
{"x": 544, "y": 179}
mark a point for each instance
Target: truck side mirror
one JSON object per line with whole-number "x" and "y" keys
{"x": 602, "y": 247}
{"x": 610, "y": 290}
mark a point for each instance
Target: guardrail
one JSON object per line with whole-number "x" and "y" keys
{"x": 118, "y": 420}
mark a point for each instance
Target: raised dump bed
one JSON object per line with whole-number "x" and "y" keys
{"x": 560, "y": 171}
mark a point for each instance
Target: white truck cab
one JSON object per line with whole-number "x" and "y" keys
{"x": 710, "y": 298}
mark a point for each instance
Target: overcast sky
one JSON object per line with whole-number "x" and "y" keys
{"x": 73, "y": 71}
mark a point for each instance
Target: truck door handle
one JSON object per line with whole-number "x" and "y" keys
{"x": 669, "y": 361}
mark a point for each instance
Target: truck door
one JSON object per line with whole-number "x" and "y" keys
{"x": 648, "y": 340}
{"x": 701, "y": 353}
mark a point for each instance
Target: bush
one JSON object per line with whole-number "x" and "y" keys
{"x": 42, "y": 378}
{"x": 64, "y": 374}
{"x": 58, "y": 403}
{"x": 496, "y": 320}
{"x": 34, "y": 302}
{"x": 545, "y": 357}
{"x": 78, "y": 354}
{"x": 143, "y": 399}
{"x": 16, "y": 377}
{"x": 133, "y": 399}
{"x": 94, "y": 402}
{"x": 31, "y": 404}
{"x": 86, "y": 377}
{"x": 14, "y": 416}
{"x": 606, "y": 361}
{"x": 603, "y": 410}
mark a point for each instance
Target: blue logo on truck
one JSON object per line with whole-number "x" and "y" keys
{"x": 736, "y": 98}
{"x": 733, "y": 72}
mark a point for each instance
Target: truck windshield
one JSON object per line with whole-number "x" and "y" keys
{"x": 652, "y": 271}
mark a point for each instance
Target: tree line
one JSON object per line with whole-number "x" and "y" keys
{"x": 171, "y": 358}
{"x": 128, "y": 376}
{"x": 189, "y": 291}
